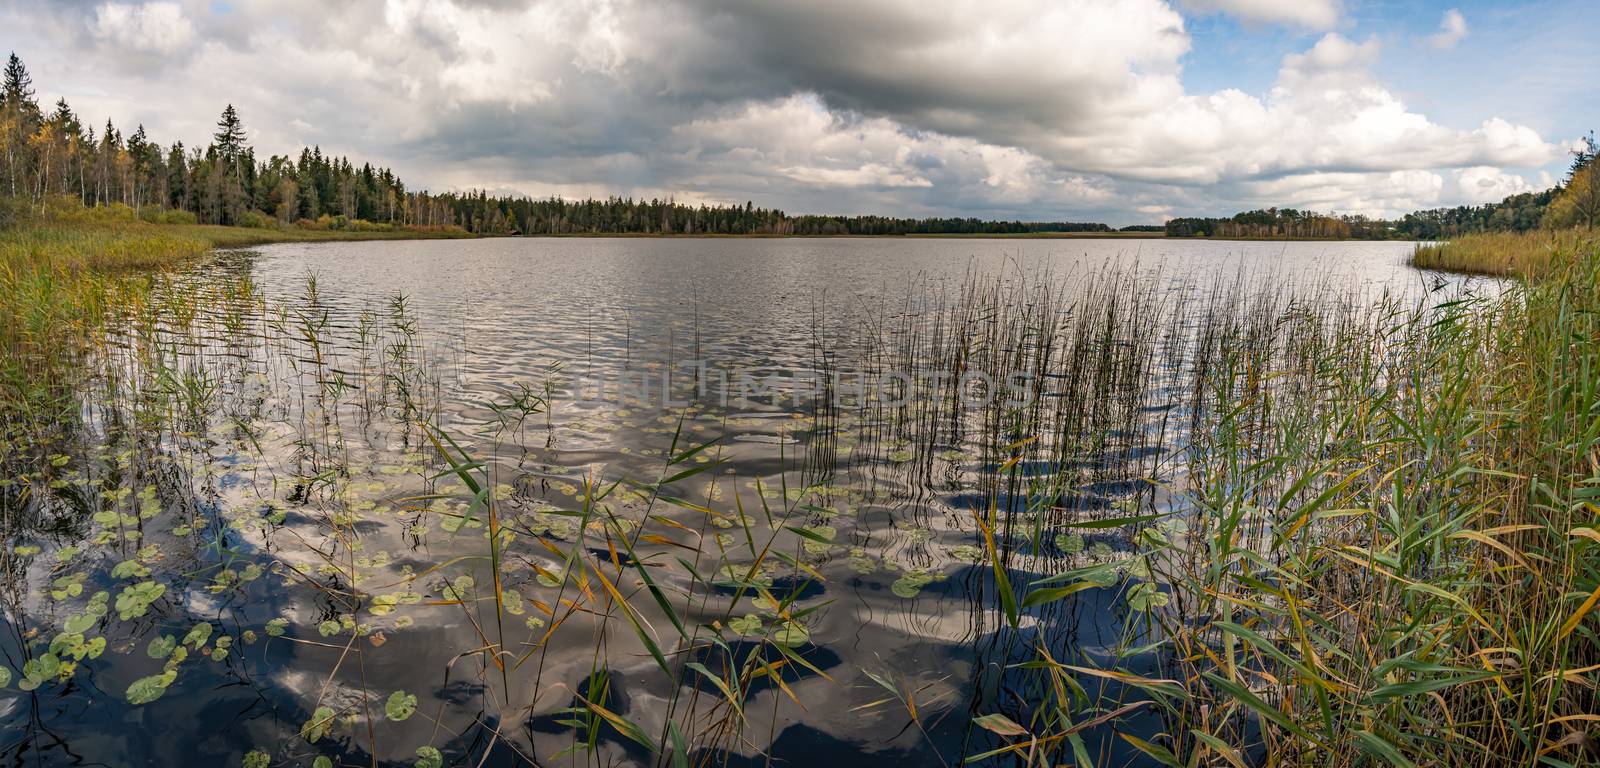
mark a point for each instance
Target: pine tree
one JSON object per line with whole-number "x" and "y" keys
{"x": 17, "y": 92}
{"x": 229, "y": 138}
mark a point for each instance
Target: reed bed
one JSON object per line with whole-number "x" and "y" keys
{"x": 1501, "y": 254}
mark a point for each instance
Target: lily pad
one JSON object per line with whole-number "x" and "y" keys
{"x": 317, "y": 726}
{"x": 401, "y": 705}
{"x": 1144, "y": 597}
{"x": 198, "y": 635}
{"x": 135, "y": 601}
{"x": 1069, "y": 543}
{"x": 792, "y": 634}
{"x": 749, "y": 626}
{"x": 148, "y": 689}
{"x": 428, "y": 757}
{"x": 911, "y": 583}
{"x": 161, "y": 647}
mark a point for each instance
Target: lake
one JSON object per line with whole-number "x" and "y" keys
{"x": 629, "y": 501}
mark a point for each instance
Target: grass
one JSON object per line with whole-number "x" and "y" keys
{"x": 1391, "y": 554}
{"x": 1502, "y": 254}
{"x": 66, "y": 268}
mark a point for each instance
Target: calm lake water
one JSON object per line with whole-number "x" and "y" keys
{"x": 860, "y": 405}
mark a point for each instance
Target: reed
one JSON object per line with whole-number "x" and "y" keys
{"x": 1501, "y": 254}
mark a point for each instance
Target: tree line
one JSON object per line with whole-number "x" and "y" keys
{"x": 1575, "y": 201}
{"x": 56, "y": 154}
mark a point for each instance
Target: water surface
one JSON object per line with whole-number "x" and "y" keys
{"x": 270, "y": 464}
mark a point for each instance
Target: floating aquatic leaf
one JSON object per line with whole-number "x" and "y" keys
{"x": 750, "y": 625}
{"x": 148, "y": 689}
{"x": 428, "y": 757}
{"x": 322, "y": 761}
{"x": 161, "y": 647}
{"x": 1151, "y": 537}
{"x": 198, "y": 635}
{"x": 821, "y": 538}
{"x": 400, "y": 706}
{"x": 328, "y": 628}
{"x": 792, "y": 634}
{"x": 276, "y": 627}
{"x": 1145, "y": 596}
{"x": 255, "y": 758}
{"x": 5, "y": 675}
{"x": 135, "y": 601}
{"x": 967, "y": 553}
{"x": 79, "y": 623}
{"x": 317, "y": 726}
{"x": 1069, "y": 543}
{"x": 911, "y": 583}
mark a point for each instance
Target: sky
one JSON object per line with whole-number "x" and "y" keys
{"x": 1121, "y": 111}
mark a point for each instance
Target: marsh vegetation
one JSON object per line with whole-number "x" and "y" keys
{"x": 268, "y": 518}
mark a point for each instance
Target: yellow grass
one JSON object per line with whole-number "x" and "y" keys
{"x": 1506, "y": 254}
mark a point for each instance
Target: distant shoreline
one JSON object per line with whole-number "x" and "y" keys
{"x": 932, "y": 236}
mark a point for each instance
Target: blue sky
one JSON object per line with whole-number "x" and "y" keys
{"x": 1124, "y": 111}
{"x": 1523, "y": 61}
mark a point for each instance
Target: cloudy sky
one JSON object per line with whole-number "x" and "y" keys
{"x": 1124, "y": 111}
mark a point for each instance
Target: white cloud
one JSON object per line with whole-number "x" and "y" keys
{"x": 1037, "y": 108}
{"x": 1452, "y": 30}
{"x": 1312, "y": 14}
{"x": 154, "y": 28}
{"x": 1485, "y": 184}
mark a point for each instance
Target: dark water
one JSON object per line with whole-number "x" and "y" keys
{"x": 269, "y": 466}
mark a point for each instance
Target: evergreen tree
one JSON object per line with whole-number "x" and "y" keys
{"x": 17, "y": 92}
{"x": 229, "y": 138}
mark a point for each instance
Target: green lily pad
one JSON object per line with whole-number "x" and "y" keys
{"x": 198, "y": 635}
{"x": 317, "y": 726}
{"x": 79, "y": 623}
{"x": 911, "y": 583}
{"x": 135, "y": 601}
{"x": 749, "y": 626}
{"x": 400, "y": 706}
{"x": 148, "y": 689}
{"x": 1144, "y": 597}
{"x": 161, "y": 647}
{"x": 428, "y": 757}
{"x": 792, "y": 634}
{"x": 1069, "y": 543}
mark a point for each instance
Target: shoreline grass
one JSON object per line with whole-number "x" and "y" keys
{"x": 1499, "y": 254}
